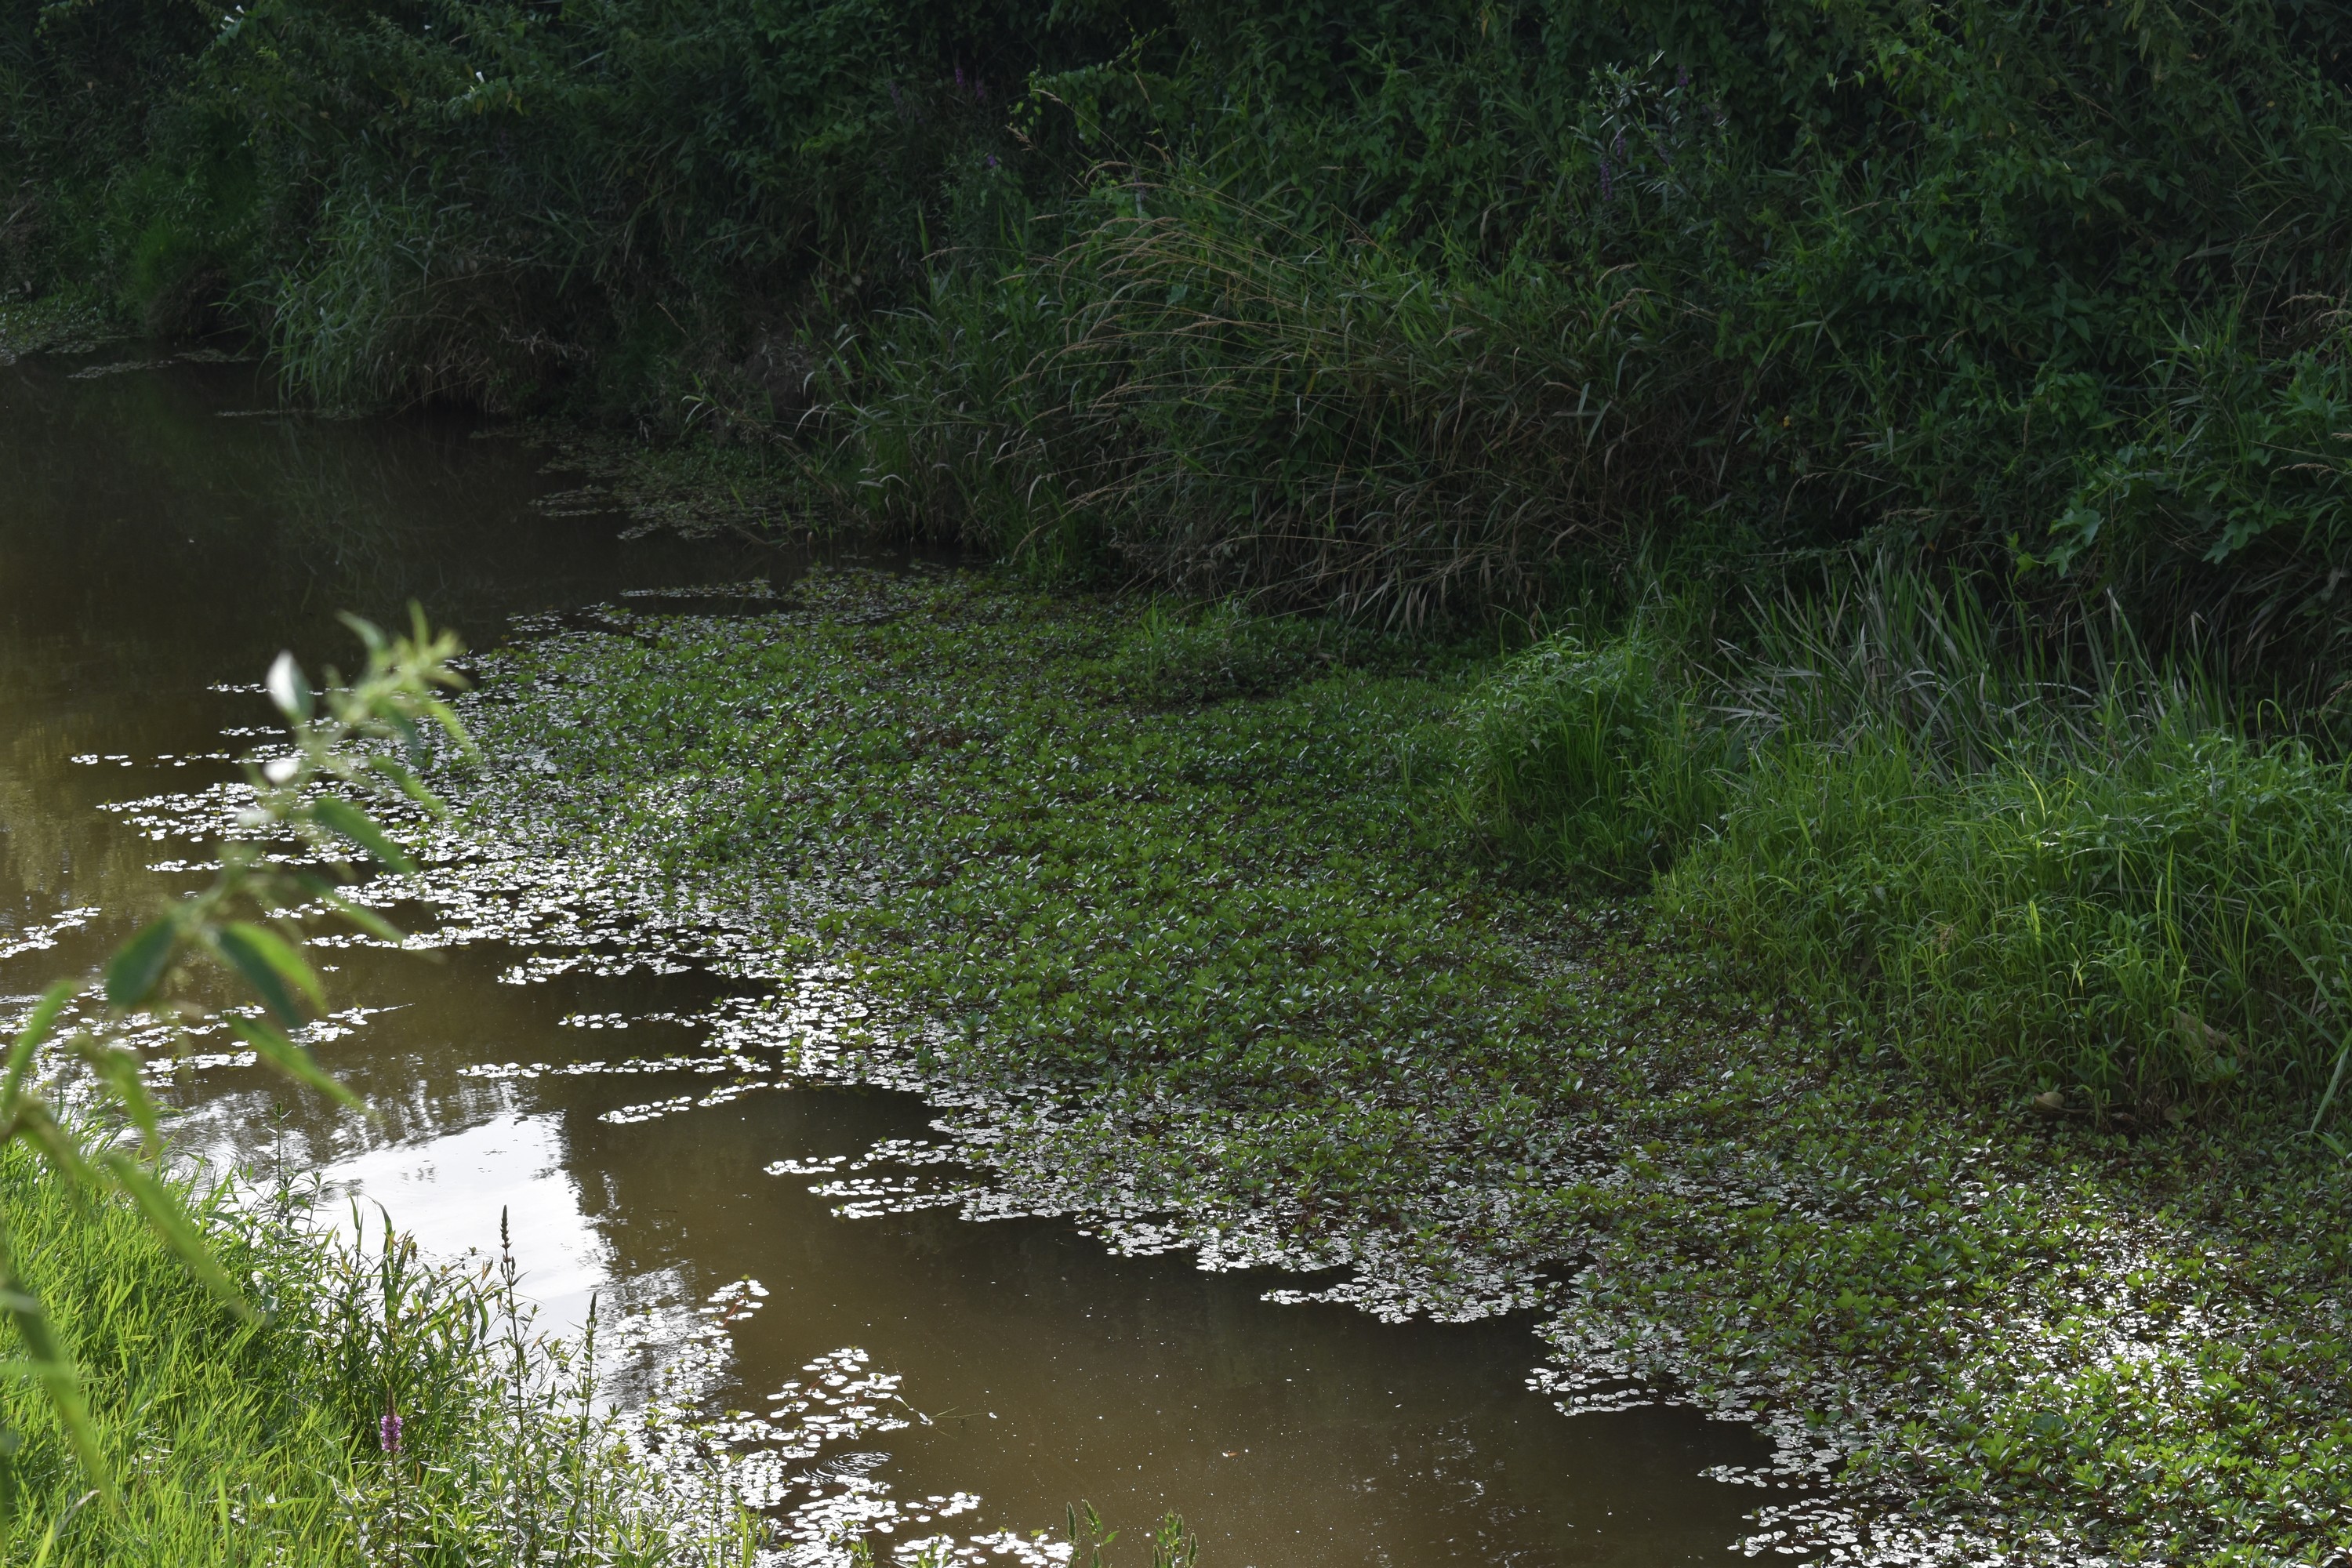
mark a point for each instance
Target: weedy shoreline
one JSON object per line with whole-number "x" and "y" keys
{"x": 381, "y": 1407}
{"x": 1194, "y": 925}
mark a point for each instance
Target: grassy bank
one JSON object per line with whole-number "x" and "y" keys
{"x": 1213, "y": 882}
{"x": 272, "y": 1439}
{"x": 2099, "y": 881}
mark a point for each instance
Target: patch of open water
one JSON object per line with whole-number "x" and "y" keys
{"x": 919, "y": 1356}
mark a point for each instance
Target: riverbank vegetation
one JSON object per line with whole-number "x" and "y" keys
{"x": 374, "y": 1408}
{"x": 1417, "y": 312}
{"x": 1829, "y": 522}
{"x": 1230, "y": 894}
{"x": 202, "y": 1372}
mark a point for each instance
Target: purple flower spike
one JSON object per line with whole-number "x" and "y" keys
{"x": 1682, "y": 75}
{"x": 1608, "y": 188}
{"x": 388, "y": 1432}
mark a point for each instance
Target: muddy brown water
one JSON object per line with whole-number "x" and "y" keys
{"x": 163, "y": 533}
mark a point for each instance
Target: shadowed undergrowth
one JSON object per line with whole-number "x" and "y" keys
{"x": 1417, "y": 311}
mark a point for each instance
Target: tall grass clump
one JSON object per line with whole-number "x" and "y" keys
{"x": 1225, "y": 400}
{"x": 380, "y": 1409}
{"x": 2079, "y": 876}
{"x": 1591, "y": 757}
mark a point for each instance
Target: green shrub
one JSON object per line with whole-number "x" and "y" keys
{"x": 1410, "y": 309}
{"x": 1589, "y": 758}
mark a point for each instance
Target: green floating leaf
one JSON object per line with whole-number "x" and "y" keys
{"x": 288, "y": 1058}
{"x": 139, "y": 965}
{"x": 269, "y": 964}
{"x": 348, "y": 821}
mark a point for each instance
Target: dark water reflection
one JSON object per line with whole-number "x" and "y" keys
{"x": 158, "y": 540}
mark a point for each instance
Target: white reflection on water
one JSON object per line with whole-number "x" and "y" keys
{"x": 447, "y": 1190}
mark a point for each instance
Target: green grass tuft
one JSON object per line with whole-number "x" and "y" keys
{"x": 1589, "y": 758}
{"x": 259, "y": 1440}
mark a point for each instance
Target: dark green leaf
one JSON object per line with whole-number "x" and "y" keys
{"x": 139, "y": 965}
{"x": 37, "y": 1029}
{"x": 269, "y": 964}
{"x": 346, "y": 821}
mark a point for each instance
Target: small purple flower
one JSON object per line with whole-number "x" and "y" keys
{"x": 1619, "y": 148}
{"x": 1608, "y": 187}
{"x": 387, "y": 1431}
{"x": 979, "y": 91}
{"x": 992, "y": 160}
{"x": 959, "y": 76}
{"x": 1682, "y": 75}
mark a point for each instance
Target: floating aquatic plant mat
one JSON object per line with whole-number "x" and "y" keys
{"x": 1219, "y": 974}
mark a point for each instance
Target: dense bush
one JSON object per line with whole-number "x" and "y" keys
{"x": 1410, "y": 309}
{"x": 2089, "y": 879}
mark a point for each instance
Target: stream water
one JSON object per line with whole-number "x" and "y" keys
{"x": 163, "y": 531}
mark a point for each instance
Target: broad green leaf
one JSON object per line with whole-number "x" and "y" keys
{"x": 2335, "y": 1083}
{"x": 269, "y": 964}
{"x": 132, "y": 974}
{"x": 171, "y": 1222}
{"x": 37, "y": 1029}
{"x": 64, "y": 1150}
{"x": 289, "y": 687}
{"x": 119, "y": 1069}
{"x": 407, "y": 784}
{"x": 346, "y": 821}
{"x": 288, "y": 1058}
{"x": 368, "y": 632}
